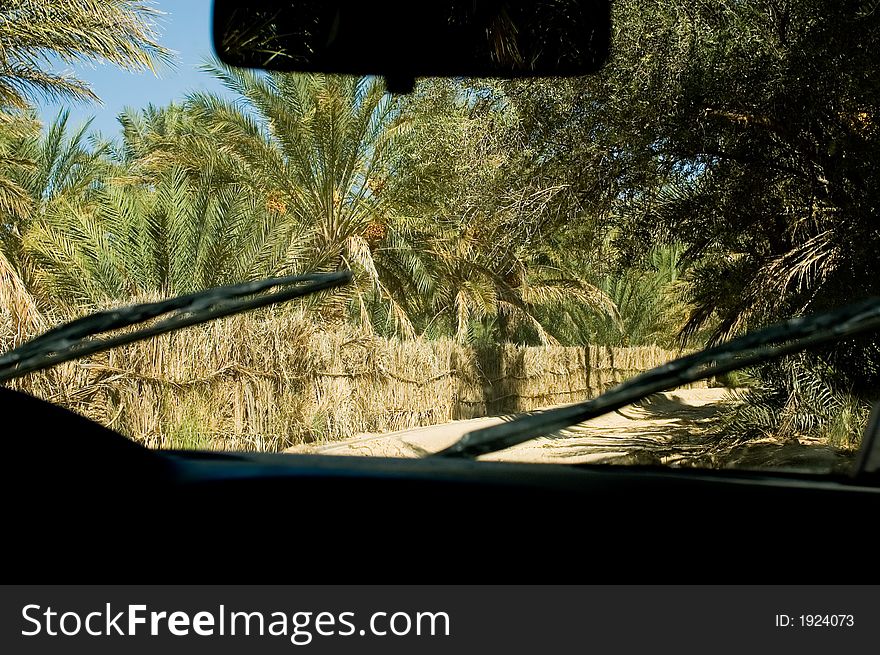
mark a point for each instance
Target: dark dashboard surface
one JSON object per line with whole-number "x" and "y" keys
{"x": 86, "y": 504}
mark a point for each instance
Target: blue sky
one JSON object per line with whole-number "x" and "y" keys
{"x": 186, "y": 29}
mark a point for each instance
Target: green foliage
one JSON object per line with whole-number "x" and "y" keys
{"x": 715, "y": 177}
{"x": 169, "y": 238}
{"x": 491, "y": 260}
{"x": 35, "y": 34}
{"x": 188, "y": 434}
{"x": 762, "y": 122}
{"x": 319, "y": 148}
{"x": 746, "y": 132}
{"x": 54, "y": 173}
{"x": 799, "y": 398}
{"x": 17, "y": 129}
{"x": 649, "y": 302}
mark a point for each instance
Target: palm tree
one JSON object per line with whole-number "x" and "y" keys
{"x": 319, "y": 148}
{"x": 54, "y": 172}
{"x": 15, "y": 128}
{"x": 38, "y": 174}
{"x": 169, "y": 237}
{"x": 484, "y": 250}
{"x": 36, "y": 170}
{"x": 495, "y": 275}
{"x": 157, "y": 138}
{"x": 650, "y": 299}
{"x": 36, "y": 34}
{"x": 116, "y": 220}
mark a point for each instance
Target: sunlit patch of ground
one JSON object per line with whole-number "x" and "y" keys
{"x": 670, "y": 428}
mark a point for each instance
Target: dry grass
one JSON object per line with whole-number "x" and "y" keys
{"x": 19, "y": 315}
{"x": 271, "y": 381}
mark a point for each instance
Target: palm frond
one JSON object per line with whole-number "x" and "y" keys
{"x": 34, "y": 33}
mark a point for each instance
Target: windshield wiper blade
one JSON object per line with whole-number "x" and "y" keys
{"x": 784, "y": 338}
{"x": 79, "y": 337}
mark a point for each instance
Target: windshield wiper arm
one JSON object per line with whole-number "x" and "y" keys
{"x": 788, "y": 337}
{"x": 80, "y": 337}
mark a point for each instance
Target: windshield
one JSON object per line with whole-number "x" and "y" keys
{"x": 514, "y": 245}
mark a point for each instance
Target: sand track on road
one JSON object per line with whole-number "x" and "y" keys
{"x": 660, "y": 429}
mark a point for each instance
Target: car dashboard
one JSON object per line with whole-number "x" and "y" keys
{"x": 83, "y": 498}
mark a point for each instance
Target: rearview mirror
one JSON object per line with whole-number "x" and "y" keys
{"x": 405, "y": 39}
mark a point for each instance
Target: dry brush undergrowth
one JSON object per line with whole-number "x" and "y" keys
{"x": 268, "y": 381}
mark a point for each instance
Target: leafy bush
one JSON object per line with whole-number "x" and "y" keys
{"x": 800, "y": 398}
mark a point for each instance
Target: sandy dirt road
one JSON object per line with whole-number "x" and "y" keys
{"x": 660, "y": 430}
